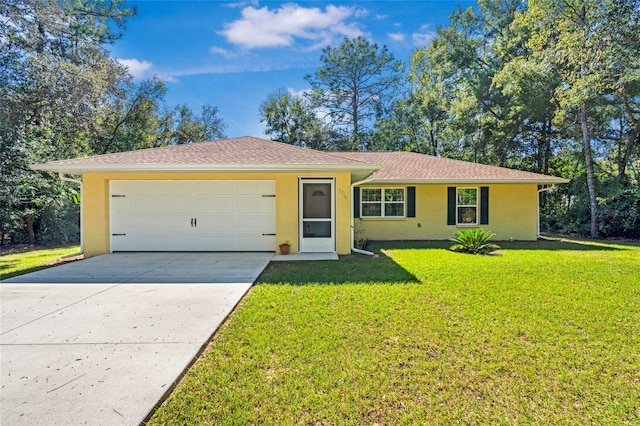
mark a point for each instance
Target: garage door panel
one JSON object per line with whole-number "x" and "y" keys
{"x": 263, "y": 243}
{"x": 202, "y": 205}
{"x": 156, "y": 215}
{"x": 266, "y": 187}
{"x": 223, "y": 187}
{"x": 265, "y": 204}
{"x": 223, "y": 205}
{"x": 266, "y": 224}
{"x": 179, "y": 206}
{"x": 201, "y": 187}
{"x": 156, "y": 224}
{"x": 221, "y": 242}
{"x": 244, "y": 188}
{"x": 245, "y": 224}
{"x": 245, "y": 205}
{"x": 214, "y": 224}
{"x": 125, "y": 224}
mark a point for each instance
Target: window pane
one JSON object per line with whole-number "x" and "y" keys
{"x": 371, "y": 209}
{"x": 394, "y": 209}
{"x": 370, "y": 194}
{"x": 467, "y": 215}
{"x": 316, "y": 229}
{"x": 467, "y": 196}
{"x": 316, "y": 201}
{"x": 394, "y": 194}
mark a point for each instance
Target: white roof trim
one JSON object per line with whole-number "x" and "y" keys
{"x": 210, "y": 167}
{"x": 550, "y": 180}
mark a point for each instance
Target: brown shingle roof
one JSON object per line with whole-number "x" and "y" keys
{"x": 249, "y": 153}
{"x": 414, "y": 167}
{"x": 243, "y": 150}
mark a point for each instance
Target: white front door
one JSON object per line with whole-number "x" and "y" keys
{"x": 317, "y": 223}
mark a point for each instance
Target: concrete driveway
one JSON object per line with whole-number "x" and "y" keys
{"x": 101, "y": 341}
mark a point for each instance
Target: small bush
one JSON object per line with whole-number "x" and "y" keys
{"x": 474, "y": 241}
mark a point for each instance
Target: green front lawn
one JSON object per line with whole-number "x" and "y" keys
{"x": 22, "y": 262}
{"x": 547, "y": 333}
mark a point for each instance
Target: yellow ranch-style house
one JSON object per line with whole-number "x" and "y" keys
{"x": 251, "y": 194}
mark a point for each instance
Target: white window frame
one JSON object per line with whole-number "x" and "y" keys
{"x": 383, "y": 202}
{"x": 476, "y": 206}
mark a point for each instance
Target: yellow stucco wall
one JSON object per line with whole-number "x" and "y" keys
{"x": 96, "y": 204}
{"x": 512, "y": 214}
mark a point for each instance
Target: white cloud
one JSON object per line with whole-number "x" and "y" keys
{"x": 138, "y": 69}
{"x": 224, "y": 52}
{"x": 240, "y": 4}
{"x": 380, "y": 17}
{"x": 263, "y": 28}
{"x": 361, "y": 13}
{"x": 297, "y": 93}
{"x": 141, "y": 70}
{"x": 424, "y": 36}
{"x": 396, "y": 36}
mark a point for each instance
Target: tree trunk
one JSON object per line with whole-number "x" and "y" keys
{"x": 591, "y": 180}
{"x": 632, "y": 141}
{"x": 548, "y": 131}
{"x": 28, "y": 221}
{"x": 356, "y": 130}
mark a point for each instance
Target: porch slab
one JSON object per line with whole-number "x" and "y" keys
{"x": 294, "y": 257}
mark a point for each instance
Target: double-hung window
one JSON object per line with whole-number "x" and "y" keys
{"x": 382, "y": 202}
{"x": 467, "y": 206}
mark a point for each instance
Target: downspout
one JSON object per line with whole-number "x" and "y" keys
{"x": 353, "y": 243}
{"x": 538, "y": 235}
{"x": 79, "y": 182}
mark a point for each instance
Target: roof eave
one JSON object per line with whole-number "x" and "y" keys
{"x": 140, "y": 168}
{"x": 548, "y": 181}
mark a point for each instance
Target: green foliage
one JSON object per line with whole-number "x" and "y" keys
{"x": 475, "y": 241}
{"x": 59, "y": 223}
{"x": 192, "y": 128}
{"x": 292, "y": 120}
{"x": 360, "y": 238}
{"x": 620, "y": 214}
{"x": 64, "y": 96}
{"x": 545, "y": 86}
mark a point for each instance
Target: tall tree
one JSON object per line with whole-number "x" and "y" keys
{"x": 577, "y": 34}
{"x": 55, "y": 75}
{"x": 356, "y": 81}
{"x": 192, "y": 128}
{"x": 290, "y": 119}
{"x": 455, "y": 75}
{"x": 141, "y": 120}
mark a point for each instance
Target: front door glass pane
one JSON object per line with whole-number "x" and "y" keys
{"x": 317, "y": 229}
{"x": 316, "y": 201}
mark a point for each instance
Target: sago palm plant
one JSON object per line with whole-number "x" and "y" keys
{"x": 473, "y": 241}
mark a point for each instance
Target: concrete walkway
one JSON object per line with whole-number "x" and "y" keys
{"x": 104, "y": 345}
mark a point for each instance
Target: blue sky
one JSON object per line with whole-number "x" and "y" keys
{"x": 233, "y": 54}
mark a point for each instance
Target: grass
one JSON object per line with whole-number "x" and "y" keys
{"x": 22, "y": 262}
{"x": 546, "y": 333}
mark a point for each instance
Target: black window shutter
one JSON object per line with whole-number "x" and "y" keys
{"x": 356, "y": 202}
{"x": 451, "y": 205}
{"x": 411, "y": 201}
{"x": 484, "y": 205}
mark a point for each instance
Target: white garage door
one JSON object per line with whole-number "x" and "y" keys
{"x": 202, "y": 215}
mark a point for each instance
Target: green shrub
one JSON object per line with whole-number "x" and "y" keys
{"x": 473, "y": 241}
{"x": 619, "y": 214}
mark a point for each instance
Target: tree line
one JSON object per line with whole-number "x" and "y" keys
{"x": 547, "y": 86}
{"x": 63, "y": 96}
